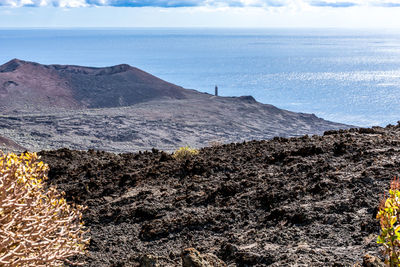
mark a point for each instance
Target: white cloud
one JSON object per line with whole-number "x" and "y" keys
{"x": 69, "y": 3}
{"x": 266, "y": 4}
{"x": 40, "y": 3}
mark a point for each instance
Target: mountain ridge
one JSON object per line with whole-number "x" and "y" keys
{"x": 124, "y": 109}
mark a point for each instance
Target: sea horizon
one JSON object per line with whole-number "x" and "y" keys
{"x": 349, "y": 76}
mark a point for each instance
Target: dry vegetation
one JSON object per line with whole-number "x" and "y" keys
{"x": 37, "y": 226}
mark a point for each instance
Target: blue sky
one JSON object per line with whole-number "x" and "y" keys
{"x": 200, "y": 13}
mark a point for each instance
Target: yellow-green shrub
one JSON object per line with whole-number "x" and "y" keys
{"x": 37, "y": 226}
{"x": 388, "y": 216}
{"x": 185, "y": 152}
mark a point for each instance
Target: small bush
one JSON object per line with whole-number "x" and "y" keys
{"x": 388, "y": 216}
{"x": 37, "y": 226}
{"x": 184, "y": 153}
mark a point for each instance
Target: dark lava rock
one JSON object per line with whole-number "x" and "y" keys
{"x": 308, "y": 201}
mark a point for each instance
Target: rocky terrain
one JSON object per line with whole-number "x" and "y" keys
{"x": 123, "y": 109}
{"x": 305, "y": 201}
{"x": 166, "y": 125}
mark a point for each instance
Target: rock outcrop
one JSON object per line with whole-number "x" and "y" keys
{"x": 192, "y": 258}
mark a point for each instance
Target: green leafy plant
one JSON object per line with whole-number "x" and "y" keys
{"x": 37, "y": 226}
{"x": 185, "y": 152}
{"x": 389, "y": 218}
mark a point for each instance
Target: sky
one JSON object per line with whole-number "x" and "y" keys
{"x": 200, "y": 13}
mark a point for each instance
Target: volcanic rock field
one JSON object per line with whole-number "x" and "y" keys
{"x": 275, "y": 188}
{"x": 305, "y": 201}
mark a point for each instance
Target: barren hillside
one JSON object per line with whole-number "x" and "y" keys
{"x": 124, "y": 109}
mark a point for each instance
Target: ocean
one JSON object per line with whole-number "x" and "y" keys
{"x": 347, "y": 76}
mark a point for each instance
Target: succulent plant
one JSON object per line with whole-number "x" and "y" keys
{"x": 389, "y": 218}
{"x": 37, "y": 226}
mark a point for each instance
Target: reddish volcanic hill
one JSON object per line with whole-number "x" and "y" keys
{"x": 123, "y": 109}
{"x": 28, "y": 85}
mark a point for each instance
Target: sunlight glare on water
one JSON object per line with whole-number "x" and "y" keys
{"x": 348, "y": 76}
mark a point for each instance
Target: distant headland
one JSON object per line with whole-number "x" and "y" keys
{"x": 122, "y": 108}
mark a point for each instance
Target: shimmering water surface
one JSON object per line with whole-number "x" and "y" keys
{"x": 349, "y": 76}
